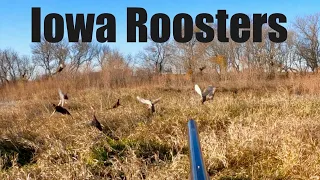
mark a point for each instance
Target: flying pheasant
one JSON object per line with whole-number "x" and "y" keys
{"x": 202, "y": 68}
{"x": 61, "y": 110}
{"x": 149, "y": 103}
{"x": 61, "y": 67}
{"x": 63, "y": 97}
{"x": 207, "y": 94}
{"x": 117, "y": 104}
{"x": 96, "y": 123}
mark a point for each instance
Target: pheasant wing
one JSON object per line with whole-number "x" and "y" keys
{"x": 209, "y": 91}
{"x": 198, "y": 90}
{"x": 156, "y": 101}
{"x": 61, "y": 95}
{"x": 144, "y": 101}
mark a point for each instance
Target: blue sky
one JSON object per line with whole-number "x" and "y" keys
{"x": 15, "y": 15}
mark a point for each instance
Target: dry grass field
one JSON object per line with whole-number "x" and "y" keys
{"x": 267, "y": 130}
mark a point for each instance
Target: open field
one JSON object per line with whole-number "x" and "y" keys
{"x": 268, "y": 131}
{"x": 262, "y": 123}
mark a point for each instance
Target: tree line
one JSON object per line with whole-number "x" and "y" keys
{"x": 299, "y": 54}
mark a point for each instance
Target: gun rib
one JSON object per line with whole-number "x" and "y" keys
{"x": 197, "y": 166}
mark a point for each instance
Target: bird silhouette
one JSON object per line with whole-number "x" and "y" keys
{"x": 61, "y": 67}
{"x": 149, "y": 103}
{"x": 117, "y": 104}
{"x": 206, "y": 94}
{"x": 96, "y": 123}
{"x": 61, "y": 110}
{"x": 202, "y": 68}
{"x": 63, "y": 98}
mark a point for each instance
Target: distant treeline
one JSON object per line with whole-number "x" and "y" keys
{"x": 299, "y": 54}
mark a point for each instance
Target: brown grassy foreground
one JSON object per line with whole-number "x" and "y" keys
{"x": 268, "y": 130}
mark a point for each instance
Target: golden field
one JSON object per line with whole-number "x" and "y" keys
{"x": 269, "y": 129}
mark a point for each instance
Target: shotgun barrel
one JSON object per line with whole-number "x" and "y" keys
{"x": 197, "y": 166}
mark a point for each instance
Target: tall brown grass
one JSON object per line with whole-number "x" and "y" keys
{"x": 255, "y": 128}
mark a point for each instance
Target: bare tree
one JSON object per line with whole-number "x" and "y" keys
{"x": 25, "y": 68}
{"x": 156, "y": 55}
{"x": 187, "y": 52}
{"x": 61, "y": 52}
{"x": 308, "y": 43}
{"x": 13, "y": 67}
{"x": 43, "y": 55}
{"x": 116, "y": 69}
{"x": 4, "y": 73}
{"x": 103, "y": 53}
{"x": 130, "y": 60}
{"x": 81, "y": 53}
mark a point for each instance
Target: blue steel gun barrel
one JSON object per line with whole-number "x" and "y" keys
{"x": 198, "y": 170}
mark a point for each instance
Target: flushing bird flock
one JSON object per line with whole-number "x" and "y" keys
{"x": 206, "y": 95}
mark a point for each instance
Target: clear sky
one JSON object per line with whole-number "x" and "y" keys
{"x": 15, "y": 15}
